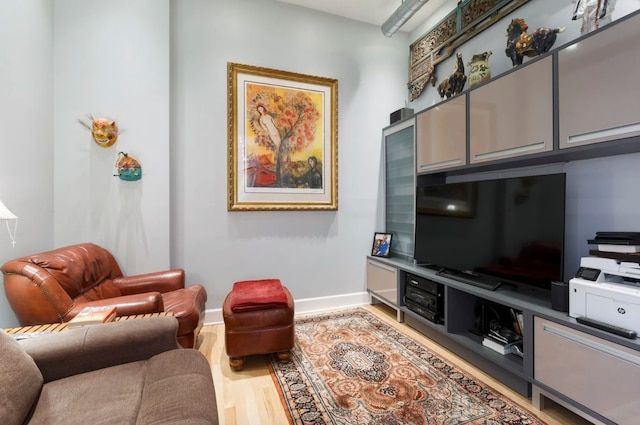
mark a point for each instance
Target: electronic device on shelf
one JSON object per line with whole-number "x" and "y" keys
{"x": 606, "y": 293}
{"x": 624, "y": 332}
{"x": 424, "y": 297}
{"x": 476, "y": 279}
{"x": 508, "y": 230}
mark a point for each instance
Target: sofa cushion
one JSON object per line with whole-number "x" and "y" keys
{"x": 169, "y": 388}
{"x": 20, "y": 381}
{"x": 104, "y": 396}
{"x": 178, "y": 390}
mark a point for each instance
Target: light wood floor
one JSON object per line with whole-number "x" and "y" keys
{"x": 249, "y": 397}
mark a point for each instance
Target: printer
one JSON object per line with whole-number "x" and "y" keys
{"x": 606, "y": 290}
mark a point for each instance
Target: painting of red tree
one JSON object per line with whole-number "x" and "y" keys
{"x": 283, "y": 140}
{"x": 284, "y": 143}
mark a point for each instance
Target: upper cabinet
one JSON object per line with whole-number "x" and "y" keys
{"x": 584, "y": 93}
{"x": 598, "y": 91}
{"x": 441, "y": 136}
{"x": 513, "y": 115}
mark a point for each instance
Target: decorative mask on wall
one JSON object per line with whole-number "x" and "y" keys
{"x": 128, "y": 168}
{"x": 103, "y": 130}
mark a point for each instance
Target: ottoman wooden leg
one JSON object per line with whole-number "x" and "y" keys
{"x": 236, "y": 363}
{"x": 284, "y": 356}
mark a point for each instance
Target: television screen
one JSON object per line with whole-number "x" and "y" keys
{"x": 504, "y": 230}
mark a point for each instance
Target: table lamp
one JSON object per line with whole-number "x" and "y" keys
{"x": 7, "y": 215}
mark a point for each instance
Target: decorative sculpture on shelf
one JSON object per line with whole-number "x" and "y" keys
{"x": 468, "y": 19}
{"x": 520, "y": 44}
{"x": 593, "y": 13}
{"x": 479, "y": 70}
{"x": 453, "y": 84}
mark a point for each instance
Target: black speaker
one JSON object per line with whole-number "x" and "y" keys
{"x": 560, "y": 296}
{"x": 400, "y": 114}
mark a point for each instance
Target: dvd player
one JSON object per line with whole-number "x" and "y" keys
{"x": 424, "y": 284}
{"x": 424, "y": 312}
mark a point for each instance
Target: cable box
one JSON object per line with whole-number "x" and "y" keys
{"x": 423, "y": 284}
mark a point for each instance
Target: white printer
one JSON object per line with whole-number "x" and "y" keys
{"x": 608, "y": 291}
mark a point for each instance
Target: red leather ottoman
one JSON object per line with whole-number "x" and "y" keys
{"x": 258, "y": 319}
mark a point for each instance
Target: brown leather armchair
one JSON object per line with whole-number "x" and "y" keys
{"x": 54, "y": 286}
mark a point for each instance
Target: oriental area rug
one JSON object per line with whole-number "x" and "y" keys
{"x": 350, "y": 367}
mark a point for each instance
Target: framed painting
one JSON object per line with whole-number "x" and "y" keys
{"x": 282, "y": 140}
{"x": 381, "y": 245}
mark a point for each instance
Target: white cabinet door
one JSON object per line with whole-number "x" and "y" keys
{"x": 513, "y": 115}
{"x": 441, "y": 136}
{"x": 598, "y": 90}
{"x": 599, "y": 374}
{"x": 382, "y": 281}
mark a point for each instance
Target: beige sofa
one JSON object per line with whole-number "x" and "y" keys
{"x": 130, "y": 372}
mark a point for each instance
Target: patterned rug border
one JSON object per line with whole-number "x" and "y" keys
{"x": 467, "y": 378}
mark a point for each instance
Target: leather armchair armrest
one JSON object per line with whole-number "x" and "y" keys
{"x": 164, "y": 281}
{"x": 75, "y": 351}
{"x": 150, "y": 302}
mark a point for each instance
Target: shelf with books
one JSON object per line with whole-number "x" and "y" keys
{"x": 502, "y": 347}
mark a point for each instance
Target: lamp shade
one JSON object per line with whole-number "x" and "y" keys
{"x": 5, "y": 214}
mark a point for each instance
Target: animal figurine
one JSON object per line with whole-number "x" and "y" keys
{"x": 520, "y": 44}
{"x": 453, "y": 84}
{"x": 479, "y": 70}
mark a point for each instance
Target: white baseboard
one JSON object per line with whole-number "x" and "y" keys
{"x": 306, "y": 306}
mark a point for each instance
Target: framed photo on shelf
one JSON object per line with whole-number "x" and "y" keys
{"x": 282, "y": 130}
{"x": 381, "y": 245}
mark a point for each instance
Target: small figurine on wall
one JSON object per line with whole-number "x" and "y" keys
{"x": 103, "y": 130}
{"x": 453, "y": 84}
{"x": 479, "y": 70}
{"x": 593, "y": 13}
{"x": 129, "y": 169}
{"x": 520, "y": 44}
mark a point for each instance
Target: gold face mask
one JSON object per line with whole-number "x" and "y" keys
{"x": 103, "y": 130}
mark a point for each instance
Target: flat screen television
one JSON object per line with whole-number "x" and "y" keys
{"x": 493, "y": 232}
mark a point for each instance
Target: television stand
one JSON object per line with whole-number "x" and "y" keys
{"x": 478, "y": 280}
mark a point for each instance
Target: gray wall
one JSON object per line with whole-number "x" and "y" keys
{"x": 159, "y": 69}
{"x": 26, "y": 122}
{"x": 113, "y": 64}
{"x": 315, "y": 254}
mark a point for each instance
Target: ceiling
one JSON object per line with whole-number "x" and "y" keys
{"x": 370, "y": 11}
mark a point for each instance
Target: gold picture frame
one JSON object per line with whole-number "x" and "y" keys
{"x": 282, "y": 130}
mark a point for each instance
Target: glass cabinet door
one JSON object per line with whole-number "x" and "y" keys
{"x": 399, "y": 158}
